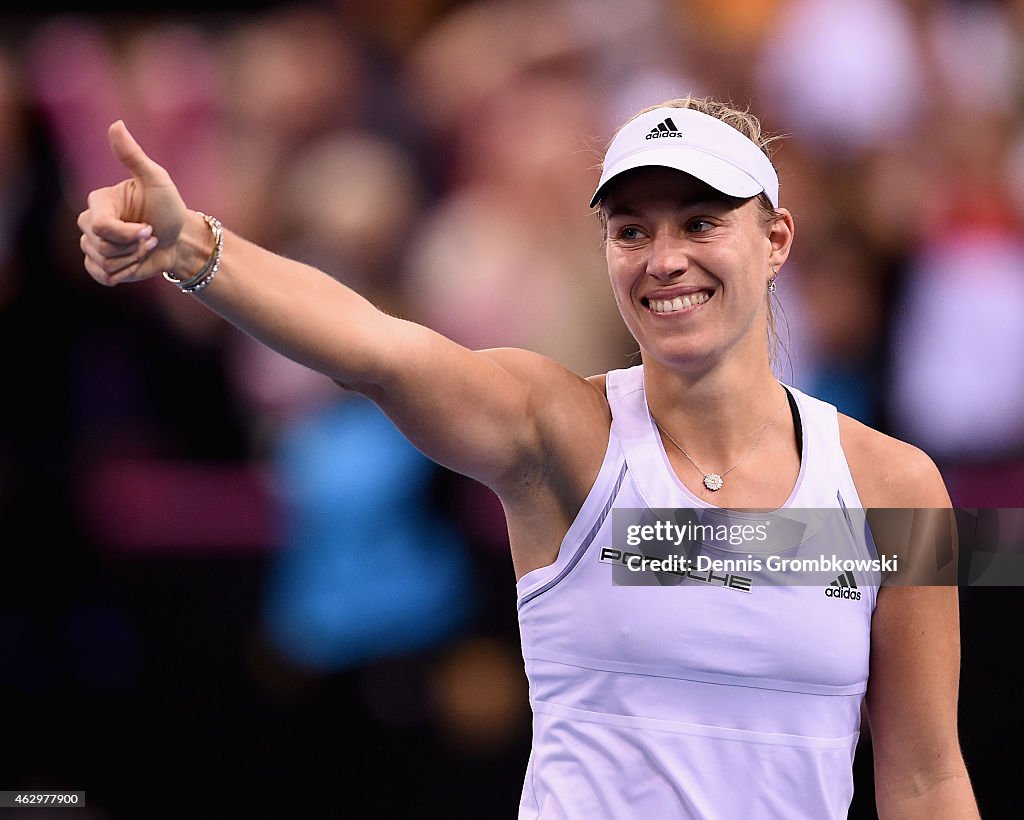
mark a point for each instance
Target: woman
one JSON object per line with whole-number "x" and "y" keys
{"x": 701, "y": 703}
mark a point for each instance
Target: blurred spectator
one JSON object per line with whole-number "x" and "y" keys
{"x": 345, "y": 203}
{"x": 475, "y": 49}
{"x": 366, "y": 569}
{"x": 844, "y": 75}
{"x": 511, "y": 257}
{"x": 974, "y": 53}
{"x": 958, "y": 376}
{"x": 836, "y": 315}
{"x": 289, "y": 76}
{"x": 956, "y": 328}
{"x": 369, "y": 567}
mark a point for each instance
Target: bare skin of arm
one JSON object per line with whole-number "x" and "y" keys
{"x": 520, "y": 423}
{"x": 915, "y": 649}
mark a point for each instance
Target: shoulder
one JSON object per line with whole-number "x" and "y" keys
{"x": 570, "y": 423}
{"x": 549, "y": 380}
{"x": 570, "y": 414}
{"x": 889, "y": 472}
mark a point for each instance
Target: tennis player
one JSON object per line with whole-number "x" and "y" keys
{"x": 717, "y": 697}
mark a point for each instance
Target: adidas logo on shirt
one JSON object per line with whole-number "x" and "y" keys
{"x": 665, "y": 128}
{"x": 845, "y": 586}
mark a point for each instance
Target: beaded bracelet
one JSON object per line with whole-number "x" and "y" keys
{"x": 196, "y": 283}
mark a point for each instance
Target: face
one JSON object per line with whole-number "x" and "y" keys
{"x": 690, "y": 266}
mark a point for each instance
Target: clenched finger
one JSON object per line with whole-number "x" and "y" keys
{"x": 97, "y": 273}
{"x": 112, "y": 250}
{"x": 115, "y": 264}
{"x": 104, "y": 277}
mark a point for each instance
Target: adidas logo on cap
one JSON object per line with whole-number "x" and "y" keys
{"x": 704, "y": 147}
{"x": 845, "y": 586}
{"x": 665, "y": 128}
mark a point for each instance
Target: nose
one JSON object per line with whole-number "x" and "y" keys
{"x": 668, "y": 257}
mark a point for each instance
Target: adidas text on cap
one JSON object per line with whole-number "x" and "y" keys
{"x": 695, "y": 143}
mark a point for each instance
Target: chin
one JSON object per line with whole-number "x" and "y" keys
{"x": 688, "y": 357}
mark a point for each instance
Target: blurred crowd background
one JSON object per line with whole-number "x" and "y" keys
{"x": 231, "y": 588}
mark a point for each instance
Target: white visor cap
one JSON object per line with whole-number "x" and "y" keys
{"x": 695, "y": 143}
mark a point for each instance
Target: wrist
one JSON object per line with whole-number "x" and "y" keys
{"x": 198, "y": 253}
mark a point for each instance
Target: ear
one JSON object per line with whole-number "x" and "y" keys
{"x": 780, "y": 235}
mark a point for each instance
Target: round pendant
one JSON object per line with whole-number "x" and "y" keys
{"x": 713, "y": 481}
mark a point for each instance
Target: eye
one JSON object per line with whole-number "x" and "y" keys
{"x": 629, "y": 233}
{"x": 699, "y": 225}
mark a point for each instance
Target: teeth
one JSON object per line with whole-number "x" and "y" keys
{"x": 679, "y": 302}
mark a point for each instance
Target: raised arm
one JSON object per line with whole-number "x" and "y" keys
{"x": 496, "y": 416}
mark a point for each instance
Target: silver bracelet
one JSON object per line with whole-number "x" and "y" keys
{"x": 196, "y": 283}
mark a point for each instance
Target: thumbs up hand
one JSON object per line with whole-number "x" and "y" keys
{"x": 130, "y": 230}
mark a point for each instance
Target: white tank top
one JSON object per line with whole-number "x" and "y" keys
{"x": 693, "y": 700}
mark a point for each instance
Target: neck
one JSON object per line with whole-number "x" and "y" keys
{"x": 715, "y": 415}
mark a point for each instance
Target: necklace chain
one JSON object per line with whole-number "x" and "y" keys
{"x": 715, "y": 481}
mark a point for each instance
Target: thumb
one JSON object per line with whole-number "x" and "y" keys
{"x": 132, "y": 157}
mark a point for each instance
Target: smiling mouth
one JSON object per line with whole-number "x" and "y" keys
{"x": 676, "y": 304}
